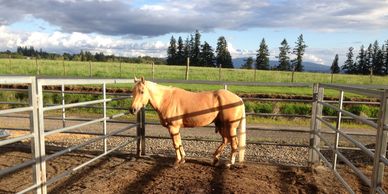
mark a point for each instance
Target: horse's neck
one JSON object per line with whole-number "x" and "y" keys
{"x": 158, "y": 94}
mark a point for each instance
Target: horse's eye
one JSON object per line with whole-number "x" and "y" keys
{"x": 141, "y": 92}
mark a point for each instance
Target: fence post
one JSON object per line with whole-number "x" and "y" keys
{"x": 35, "y": 143}
{"x": 225, "y": 87}
{"x": 37, "y": 66}
{"x": 153, "y": 70}
{"x": 315, "y": 124}
{"x": 63, "y": 104}
{"x": 104, "y": 114}
{"x": 338, "y": 127}
{"x": 187, "y": 68}
{"x": 381, "y": 144}
{"x": 140, "y": 133}
{"x": 219, "y": 72}
{"x": 42, "y": 149}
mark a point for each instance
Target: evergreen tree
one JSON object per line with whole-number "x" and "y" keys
{"x": 385, "y": 54}
{"x": 334, "y": 66}
{"x": 368, "y": 60}
{"x": 349, "y": 65}
{"x": 378, "y": 59}
{"x": 82, "y": 55}
{"x": 196, "y": 49}
{"x": 284, "y": 59}
{"x": 171, "y": 52}
{"x": 181, "y": 52}
{"x": 248, "y": 63}
{"x": 223, "y": 57}
{"x": 299, "y": 52}
{"x": 262, "y": 56}
{"x": 362, "y": 67}
{"x": 187, "y": 50}
{"x": 207, "y": 55}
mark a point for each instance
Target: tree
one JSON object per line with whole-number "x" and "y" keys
{"x": 284, "y": 59}
{"x": 180, "y": 53}
{"x": 385, "y": 53}
{"x": 262, "y": 56}
{"x": 299, "y": 52}
{"x": 223, "y": 57}
{"x": 362, "y": 67}
{"x": 378, "y": 59}
{"x": 207, "y": 55}
{"x": 349, "y": 65}
{"x": 248, "y": 63}
{"x": 187, "y": 49}
{"x": 196, "y": 49}
{"x": 334, "y": 66}
{"x": 171, "y": 52}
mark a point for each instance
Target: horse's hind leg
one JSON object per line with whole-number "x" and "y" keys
{"x": 219, "y": 150}
{"x": 177, "y": 143}
{"x": 233, "y": 144}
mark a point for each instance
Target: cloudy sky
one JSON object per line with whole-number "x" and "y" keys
{"x": 140, "y": 27}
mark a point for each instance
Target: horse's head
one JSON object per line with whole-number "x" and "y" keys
{"x": 140, "y": 95}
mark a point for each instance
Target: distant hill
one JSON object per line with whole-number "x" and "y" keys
{"x": 308, "y": 66}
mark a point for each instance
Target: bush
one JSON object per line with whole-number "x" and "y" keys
{"x": 298, "y": 109}
{"x": 258, "y": 107}
{"x": 369, "y": 111}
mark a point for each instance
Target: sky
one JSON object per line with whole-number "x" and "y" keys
{"x": 140, "y": 27}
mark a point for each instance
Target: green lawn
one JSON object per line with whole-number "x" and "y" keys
{"x": 112, "y": 70}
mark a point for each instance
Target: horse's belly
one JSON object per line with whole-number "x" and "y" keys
{"x": 198, "y": 121}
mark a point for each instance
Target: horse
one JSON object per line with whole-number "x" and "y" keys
{"x": 178, "y": 108}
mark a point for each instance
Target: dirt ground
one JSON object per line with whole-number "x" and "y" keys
{"x": 155, "y": 174}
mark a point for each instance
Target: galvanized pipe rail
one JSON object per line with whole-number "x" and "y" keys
{"x": 38, "y": 132}
{"x": 378, "y": 154}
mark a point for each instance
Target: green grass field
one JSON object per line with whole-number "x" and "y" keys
{"x": 126, "y": 70}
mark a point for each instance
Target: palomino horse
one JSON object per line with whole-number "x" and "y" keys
{"x": 180, "y": 108}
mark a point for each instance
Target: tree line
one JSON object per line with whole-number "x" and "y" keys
{"x": 199, "y": 54}
{"x": 31, "y": 52}
{"x": 371, "y": 60}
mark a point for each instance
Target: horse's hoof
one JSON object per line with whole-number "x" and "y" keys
{"x": 182, "y": 161}
{"x": 229, "y": 165}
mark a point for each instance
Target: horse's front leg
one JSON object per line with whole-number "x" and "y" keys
{"x": 177, "y": 143}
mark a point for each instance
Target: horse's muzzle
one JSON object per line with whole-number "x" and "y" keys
{"x": 132, "y": 110}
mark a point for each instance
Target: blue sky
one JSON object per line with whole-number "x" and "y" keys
{"x": 139, "y": 27}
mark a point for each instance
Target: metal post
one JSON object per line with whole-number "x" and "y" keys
{"x": 187, "y": 68}
{"x": 104, "y": 112}
{"x": 315, "y": 124}
{"x": 34, "y": 127}
{"x": 42, "y": 149}
{"x": 338, "y": 127}
{"x": 381, "y": 144}
{"x": 63, "y": 103}
{"x": 140, "y": 133}
{"x": 225, "y": 87}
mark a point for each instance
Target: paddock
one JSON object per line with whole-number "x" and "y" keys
{"x": 142, "y": 169}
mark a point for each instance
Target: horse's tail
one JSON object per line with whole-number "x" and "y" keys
{"x": 242, "y": 136}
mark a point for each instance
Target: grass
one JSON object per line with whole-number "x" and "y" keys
{"x": 112, "y": 70}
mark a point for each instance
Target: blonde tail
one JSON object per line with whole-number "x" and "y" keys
{"x": 242, "y": 136}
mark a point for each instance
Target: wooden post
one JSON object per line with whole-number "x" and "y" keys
{"x": 140, "y": 133}
{"x": 64, "y": 67}
{"x": 219, "y": 72}
{"x": 187, "y": 68}
{"x": 153, "y": 70}
{"x": 315, "y": 124}
{"x": 37, "y": 66}
{"x": 90, "y": 69}
{"x": 254, "y": 77}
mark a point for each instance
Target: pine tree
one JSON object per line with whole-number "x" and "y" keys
{"x": 196, "y": 49}
{"x": 385, "y": 54}
{"x": 334, "y": 66}
{"x": 187, "y": 50}
{"x": 284, "y": 59}
{"x": 180, "y": 52}
{"x": 223, "y": 57}
{"x": 361, "y": 62}
{"x": 262, "y": 56}
{"x": 349, "y": 65}
{"x": 207, "y": 55}
{"x": 299, "y": 52}
{"x": 368, "y": 61}
{"x": 378, "y": 59}
{"x": 171, "y": 52}
{"x": 248, "y": 63}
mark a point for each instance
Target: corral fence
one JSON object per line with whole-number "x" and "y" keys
{"x": 317, "y": 141}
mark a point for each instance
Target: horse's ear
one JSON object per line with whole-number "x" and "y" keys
{"x": 142, "y": 79}
{"x": 135, "y": 79}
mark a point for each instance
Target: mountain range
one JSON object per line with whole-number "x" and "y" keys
{"x": 308, "y": 66}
